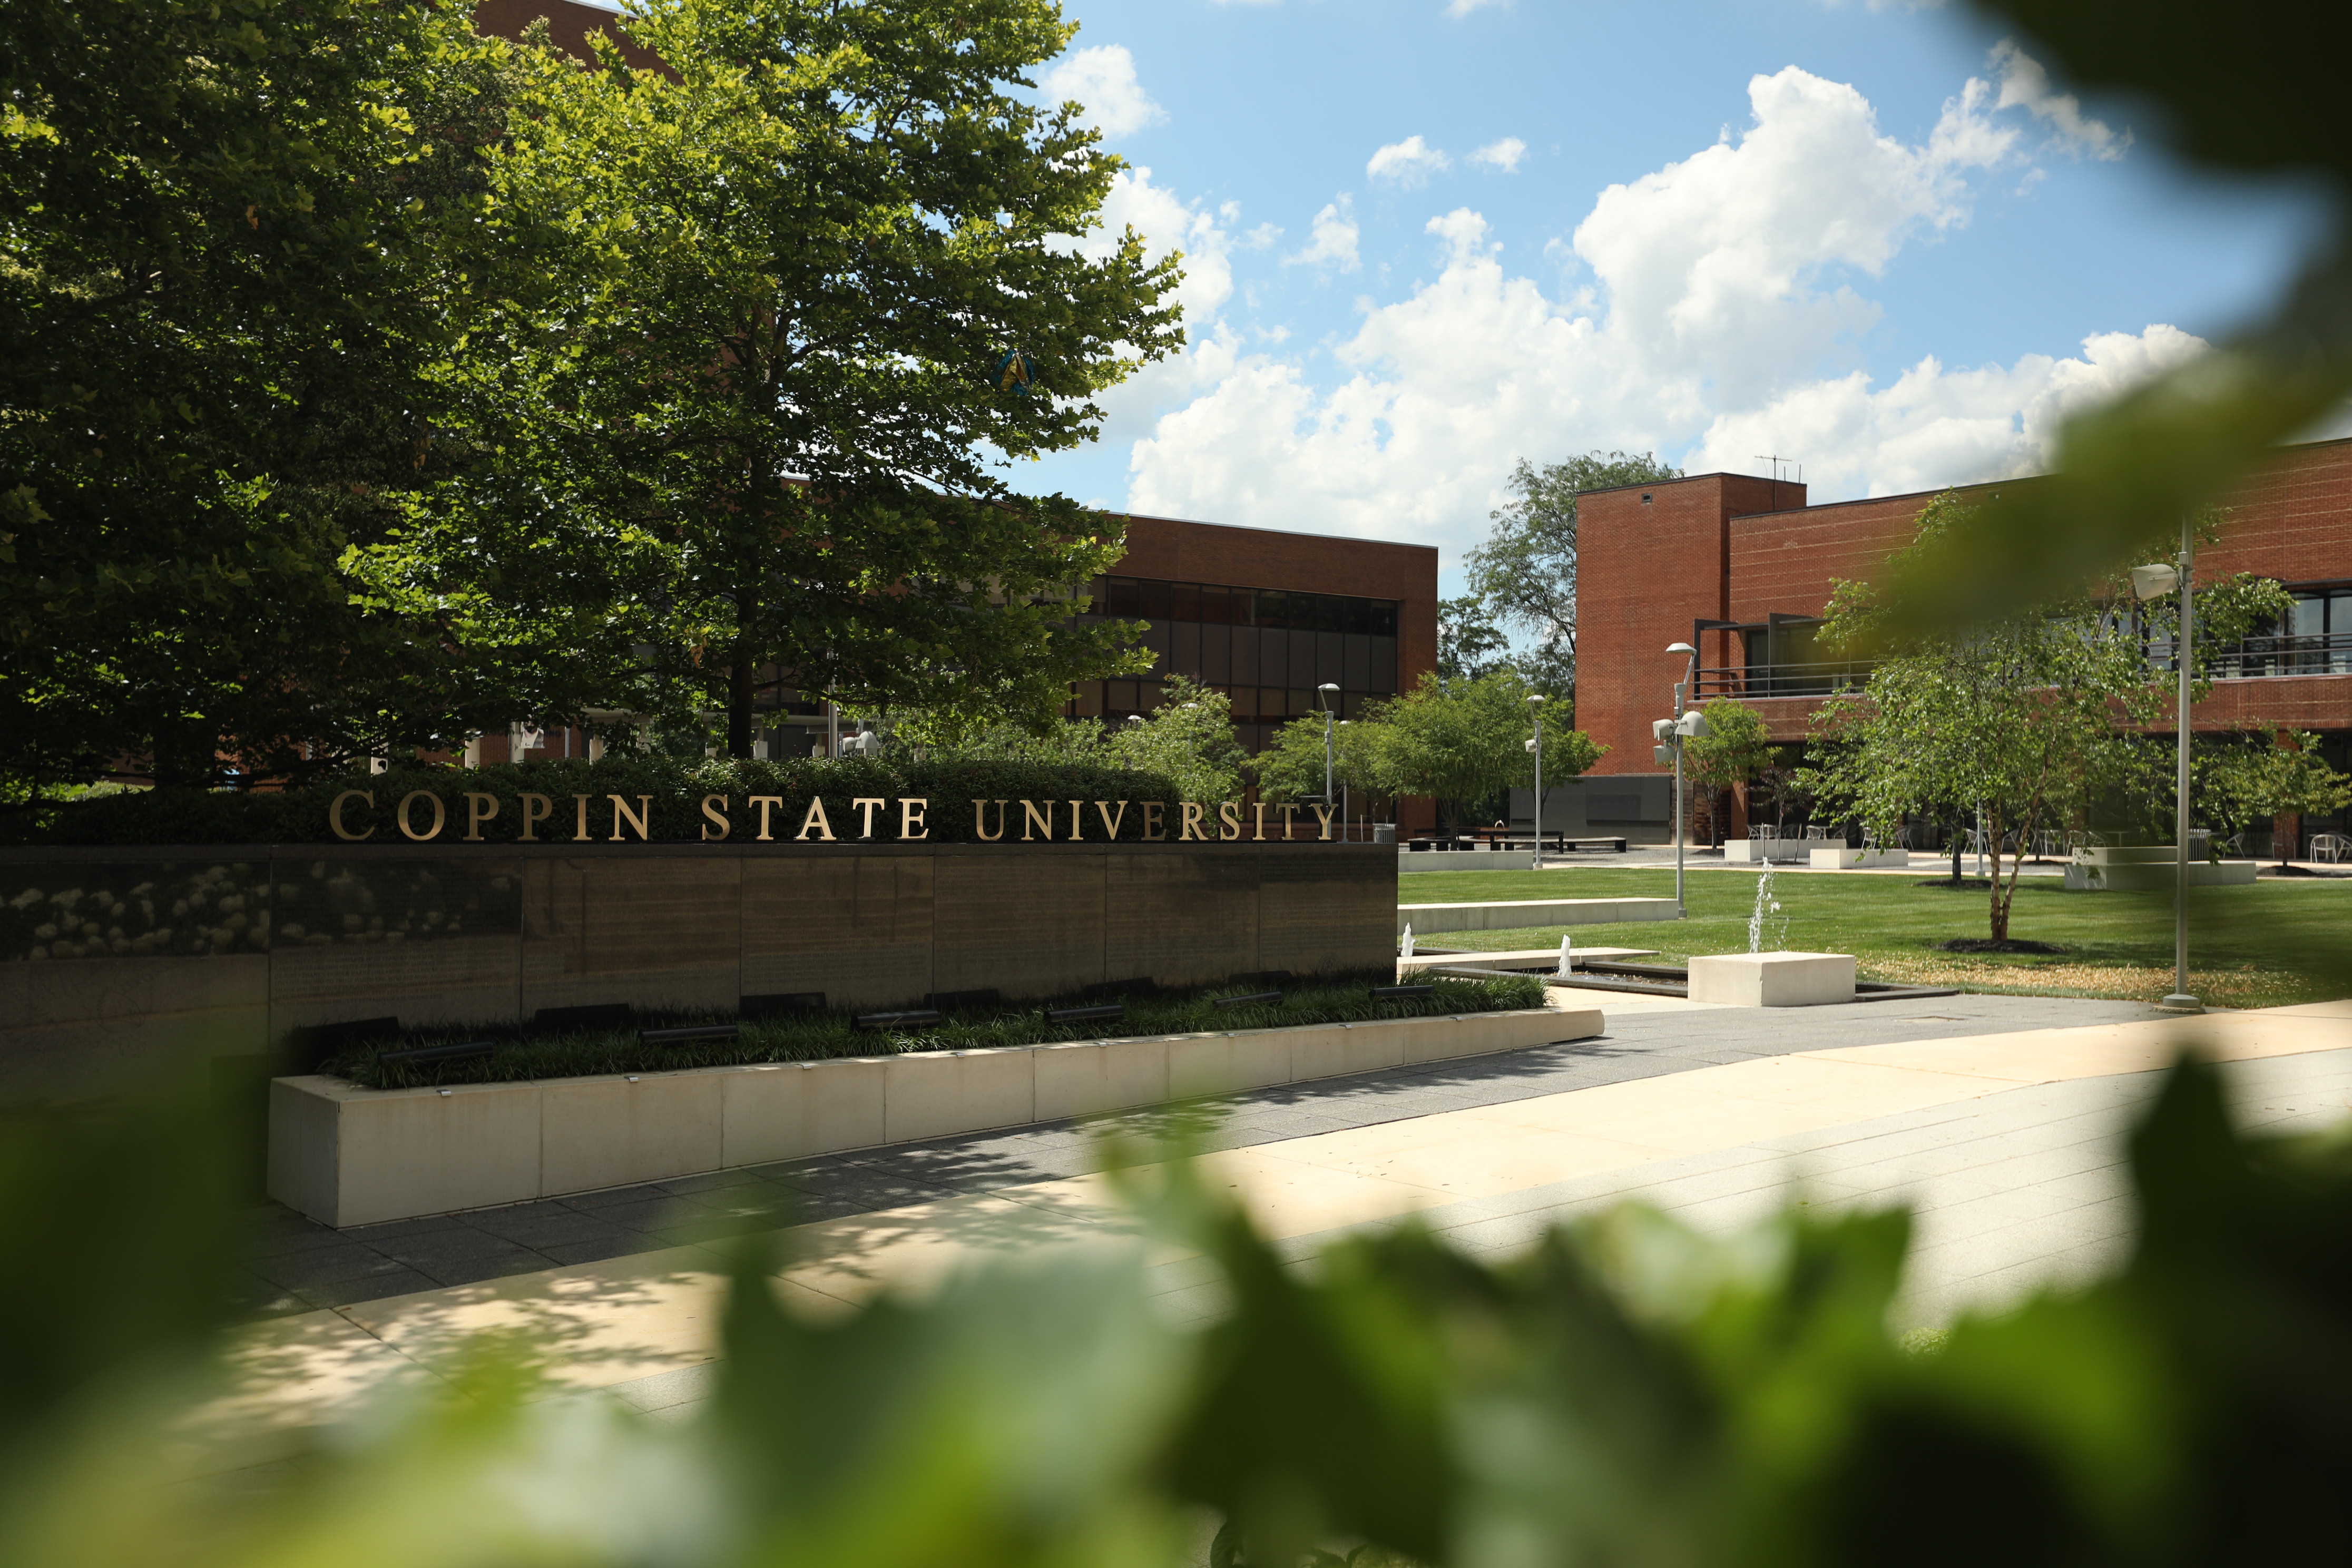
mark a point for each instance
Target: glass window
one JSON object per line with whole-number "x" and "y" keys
{"x": 2308, "y": 616}
{"x": 1216, "y": 605}
{"x": 1273, "y": 608}
{"x": 1118, "y": 697}
{"x": 1383, "y": 613}
{"x": 1184, "y": 602}
{"x": 1120, "y": 595}
{"x": 1155, "y": 600}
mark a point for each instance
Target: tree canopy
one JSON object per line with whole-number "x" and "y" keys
{"x": 1524, "y": 574}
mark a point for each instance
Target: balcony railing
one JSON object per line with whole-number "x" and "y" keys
{"x": 1781, "y": 681}
{"x": 2286, "y": 655}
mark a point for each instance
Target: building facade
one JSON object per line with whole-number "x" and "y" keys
{"x": 1742, "y": 569}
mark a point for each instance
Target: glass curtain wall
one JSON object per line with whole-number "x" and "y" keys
{"x": 1266, "y": 649}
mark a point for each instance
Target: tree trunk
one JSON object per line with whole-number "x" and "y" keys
{"x": 2286, "y": 836}
{"x": 1960, "y": 841}
{"x": 2000, "y": 903}
{"x": 742, "y": 677}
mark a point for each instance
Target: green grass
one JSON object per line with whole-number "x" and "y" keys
{"x": 1323, "y": 999}
{"x": 2277, "y": 942}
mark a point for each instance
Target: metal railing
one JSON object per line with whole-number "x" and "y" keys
{"x": 1781, "y": 681}
{"x": 2257, "y": 657}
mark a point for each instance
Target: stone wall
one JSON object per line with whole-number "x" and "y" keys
{"x": 117, "y": 961}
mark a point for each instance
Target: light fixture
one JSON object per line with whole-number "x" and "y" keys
{"x": 2154, "y": 581}
{"x": 1535, "y": 744}
{"x": 1675, "y": 735}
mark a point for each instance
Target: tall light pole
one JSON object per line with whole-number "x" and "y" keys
{"x": 1535, "y": 708}
{"x": 2148, "y": 583}
{"x": 1682, "y": 690}
{"x": 1320, "y": 693}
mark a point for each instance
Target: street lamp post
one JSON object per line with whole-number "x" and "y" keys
{"x": 2148, "y": 583}
{"x": 1535, "y": 708}
{"x": 1682, "y": 689}
{"x": 1324, "y": 693}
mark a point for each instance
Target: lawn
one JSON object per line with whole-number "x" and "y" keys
{"x": 2277, "y": 942}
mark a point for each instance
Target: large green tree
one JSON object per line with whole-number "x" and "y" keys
{"x": 229, "y": 236}
{"x": 1465, "y": 742}
{"x": 1524, "y": 573}
{"x": 822, "y": 279}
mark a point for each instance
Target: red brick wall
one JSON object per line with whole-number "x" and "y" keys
{"x": 1176, "y": 551}
{"x": 1645, "y": 572}
{"x": 567, "y": 25}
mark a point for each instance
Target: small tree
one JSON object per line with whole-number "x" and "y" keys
{"x": 1735, "y": 750}
{"x": 2274, "y": 776}
{"x": 1291, "y": 767}
{"x": 2026, "y": 719}
{"x": 1189, "y": 738}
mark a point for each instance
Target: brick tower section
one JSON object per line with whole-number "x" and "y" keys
{"x": 1651, "y": 559}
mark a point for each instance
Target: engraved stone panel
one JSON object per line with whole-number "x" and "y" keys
{"x": 1028, "y": 923}
{"x": 650, "y": 931}
{"x": 1181, "y": 917}
{"x": 427, "y": 941}
{"x": 855, "y": 927}
{"x": 1325, "y": 907}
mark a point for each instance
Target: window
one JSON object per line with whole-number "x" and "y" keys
{"x": 1281, "y": 643}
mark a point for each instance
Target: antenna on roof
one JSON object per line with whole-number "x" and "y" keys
{"x": 1776, "y": 461}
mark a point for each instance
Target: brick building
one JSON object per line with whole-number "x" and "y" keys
{"x": 1741, "y": 568}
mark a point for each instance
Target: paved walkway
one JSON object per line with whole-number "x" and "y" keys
{"x": 2005, "y": 1139}
{"x": 296, "y": 1264}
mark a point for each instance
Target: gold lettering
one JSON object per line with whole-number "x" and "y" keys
{"x": 719, "y": 817}
{"x": 335, "y": 815}
{"x": 439, "y": 814}
{"x": 815, "y": 818}
{"x": 1288, "y": 811}
{"x": 582, "y": 836}
{"x": 980, "y": 819}
{"x": 1230, "y": 813}
{"x": 479, "y": 809}
{"x": 867, "y": 805}
{"x": 766, "y": 803}
{"x": 1261, "y": 822}
{"x": 1110, "y": 823}
{"x": 1032, "y": 818}
{"x": 531, "y": 820}
{"x": 640, "y": 819}
{"x": 1074, "y": 823}
{"x": 1191, "y": 828}
{"x": 910, "y": 815}
{"x": 1323, "y": 815}
{"x": 1154, "y": 810}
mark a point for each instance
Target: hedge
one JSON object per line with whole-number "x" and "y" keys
{"x": 666, "y": 793}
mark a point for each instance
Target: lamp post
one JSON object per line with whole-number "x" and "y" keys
{"x": 2149, "y": 583}
{"x": 1326, "y": 701}
{"x": 1682, "y": 689}
{"x": 1535, "y": 709}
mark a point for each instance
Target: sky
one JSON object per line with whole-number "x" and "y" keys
{"x": 1424, "y": 239}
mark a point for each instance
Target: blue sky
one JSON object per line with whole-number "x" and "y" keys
{"x": 1424, "y": 244}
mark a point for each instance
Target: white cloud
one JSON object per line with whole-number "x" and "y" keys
{"x": 1103, "y": 79}
{"x": 1716, "y": 314}
{"x": 1331, "y": 243}
{"x": 1409, "y": 162}
{"x": 1465, "y": 234}
{"x": 1463, "y": 7}
{"x": 1504, "y": 154}
{"x": 2025, "y": 85}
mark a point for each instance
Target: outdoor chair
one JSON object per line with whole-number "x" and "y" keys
{"x": 2332, "y": 848}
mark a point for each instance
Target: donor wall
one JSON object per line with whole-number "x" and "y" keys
{"x": 434, "y": 903}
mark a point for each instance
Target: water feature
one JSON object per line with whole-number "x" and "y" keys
{"x": 1565, "y": 961}
{"x": 1407, "y": 950}
{"x": 1766, "y": 905}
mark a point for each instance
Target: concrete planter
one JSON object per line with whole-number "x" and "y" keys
{"x": 1425, "y": 919}
{"x": 1837, "y": 857}
{"x": 346, "y": 1156}
{"x": 1772, "y": 979}
{"x": 1466, "y": 860}
{"x": 2156, "y": 867}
